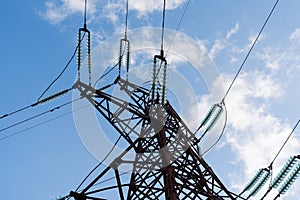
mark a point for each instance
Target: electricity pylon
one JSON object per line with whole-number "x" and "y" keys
{"x": 166, "y": 165}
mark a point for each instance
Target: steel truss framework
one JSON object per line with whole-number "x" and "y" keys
{"x": 167, "y": 164}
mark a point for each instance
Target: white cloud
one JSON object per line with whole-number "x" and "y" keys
{"x": 144, "y": 7}
{"x": 249, "y": 89}
{"x": 74, "y": 5}
{"x": 53, "y": 13}
{"x": 222, "y": 43}
{"x": 295, "y": 36}
{"x": 218, "y": 46}
{"x": 255, "y": 134}
{"x": 115, "y": 10}
{"x": 233, "y": 31}
{"x": 264, "y": 86}
{"x": 283, "y": 60}
{"x": 272, "y": 58}
{"x": 56, "y": 12}
{"x": 256, "y": 130}
{"x": 112, "y": 11}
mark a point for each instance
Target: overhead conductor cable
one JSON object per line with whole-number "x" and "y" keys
{"x": 250, "y": 50}
{"x": 212, "y": 111}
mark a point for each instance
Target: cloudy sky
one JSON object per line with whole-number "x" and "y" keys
{"x": 44, "y": 158}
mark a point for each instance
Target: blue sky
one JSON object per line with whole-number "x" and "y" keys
{"x": 38, "y": 38}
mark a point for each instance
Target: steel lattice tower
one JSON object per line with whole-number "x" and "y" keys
{"x": 167, "y": 164}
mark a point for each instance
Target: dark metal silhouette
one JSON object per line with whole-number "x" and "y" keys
{"x": 167, "y": 163}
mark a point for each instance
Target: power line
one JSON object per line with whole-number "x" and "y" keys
{"x": 85, "y": 13}
{"x": 110, "y": 70}
{"x": 238, "y": 72}
{"x": 39, "y": 124}
{"x": 183, "y": 14}
{"x": 99, "y": 183}
{"x": 37, "y": 103}
{"x": 247, "y": 55}
{"x": 163, "y": 27}
{"x": 63, "y": 70}
{"x": 59, "y": 75}
{"x": 99, "y": 164}
{"x": 250, "y": 50}
{"x": 73, "y": 55}
{"x": 271, "y": 164}
{"x": 123, "y": 52}
{"x": 106, "y": 73}
{"x": 38, "y": 115}
{"x": 126, "y": 27}
{"x": 178, "y": 25}
{"x": 285, "y": 142}
{"x": 108, "y": 179}
{"x": 279, "y": 177}
{"x": 16, "y": 111}
{"x": 126, "y": 20}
